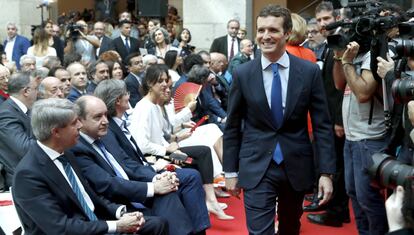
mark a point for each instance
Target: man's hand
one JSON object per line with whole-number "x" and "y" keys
{"x": 130, "y": 222}
{"x": 163, "y": 186}
{"x": 339, "y": 130}
{"x": 384, "y": 66}
{"x": 325, "y": 189}
{"x": 350, "y": 53}
{"x": 393, "y": 205}
{"x": 172, "y": 147}
{"x": 231, "y": 186}
{"x": 160, "y": 164}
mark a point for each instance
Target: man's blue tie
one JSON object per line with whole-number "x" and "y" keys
{"x": 76, "y": 189}
{"x": 127, "y": 44}
{"x": 101, "y": 147}
{"x": 277, "y": 108}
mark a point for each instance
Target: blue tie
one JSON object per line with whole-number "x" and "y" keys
{"x": 277, "y": 108}
{"x": 127, "y": 44}
{"x": 76, "y": 189}
{"x": 118, "y": 174}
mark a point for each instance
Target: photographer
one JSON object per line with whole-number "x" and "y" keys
{"x": 365, "y": 133}
{"x": 78, "y": 41}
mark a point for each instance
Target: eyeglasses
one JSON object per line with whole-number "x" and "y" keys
{"x": 313, "y": 32}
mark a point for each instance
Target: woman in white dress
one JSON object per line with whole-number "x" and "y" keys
{"x": 147, "y": 129}
{"x": 40, "y": 48}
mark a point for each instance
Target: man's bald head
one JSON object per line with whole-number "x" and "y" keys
{"x": 50, "y": 87}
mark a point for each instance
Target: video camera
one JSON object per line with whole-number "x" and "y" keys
{"x": 74, "y": 29}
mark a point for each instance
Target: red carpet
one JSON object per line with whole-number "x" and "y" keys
{"x": 238, "y": 225}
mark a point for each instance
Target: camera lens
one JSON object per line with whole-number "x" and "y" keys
{"x": 403, "y": 90}
{"x": 388, "y": 172}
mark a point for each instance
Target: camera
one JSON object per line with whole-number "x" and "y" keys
{"x": 74, "y": 29}
{"x": 387, "y": 172}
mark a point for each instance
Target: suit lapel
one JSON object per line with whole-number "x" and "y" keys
{"x": 294, "y": 87}
{"x": 22, "y": 116}
{"x": 257, "y": 90}
{"x": 97, "y": 158}
{"x": 54, "y": 175}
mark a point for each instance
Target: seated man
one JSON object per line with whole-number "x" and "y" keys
{"x": 119, "y": 178}
{"x": 50, "y": 193}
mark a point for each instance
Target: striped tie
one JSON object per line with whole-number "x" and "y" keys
{"x": 75, "y": 187}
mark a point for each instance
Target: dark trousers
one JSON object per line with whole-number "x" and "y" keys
{"x": 338, "y": 205}
{"x": 154, "y": 226}
{"x": 260, "y": 203}
{"x": 201, "y": 161}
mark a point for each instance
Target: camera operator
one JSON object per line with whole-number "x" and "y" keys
{"x": 78, "y": 41}
{"x": 365, "y": 133}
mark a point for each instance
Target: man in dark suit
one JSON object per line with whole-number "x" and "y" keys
{"x": 78, "y": 81}
{"x": 246, "y": 50}
{"x": 50, "y": 193}
{"x": 270, "y": 155}
{"x": 15, "y": 45}
{"x": 121, "y": 179}
{"x": 125, "y": 44}
{"x": 133, "y": 81}
{"x": 228, "y": 44}
{"x": 15, "y": 131}
{"x": 98, "y": 71}
{"x": 105, "y": 42}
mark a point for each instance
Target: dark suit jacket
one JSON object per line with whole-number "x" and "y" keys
{"x": 58, "y": 45}
{"x": 46, "y": 203}
{"x": 15, "y": 136}
{"x": 220, "y": 45}
{"x": 74, "y": 94}
{"x": 103, "y": 179}
{"x": 20, "y": 47}
{"x": 116, "y": 136}
{"x": 237, "y": 60}
{"x": 249, "y": 151}
{"x": 134, "y": 88}
{"x": 119, "y": 46}
{"x": 106, "y": 45}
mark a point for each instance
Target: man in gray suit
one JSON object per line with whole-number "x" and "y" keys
{"x": 15, "y": 131}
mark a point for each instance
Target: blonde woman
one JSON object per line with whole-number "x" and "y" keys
{"x": 40, "y": 48}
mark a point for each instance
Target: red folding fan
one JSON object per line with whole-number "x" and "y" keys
{"x": 185, "y": 93}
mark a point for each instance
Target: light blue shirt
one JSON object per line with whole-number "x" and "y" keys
{"x": 284, "y": 63}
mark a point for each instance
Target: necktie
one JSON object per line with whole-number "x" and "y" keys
{"x": 231, "y": 49}
{"x": 126, "y": 132}
{"x": 277, "y": 109}
{"x": 118, "y": 174}
{"x": 76, "y": 189}
{"x": 127, "y": 45}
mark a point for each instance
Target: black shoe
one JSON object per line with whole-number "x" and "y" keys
{"x": 314, "y": 207}
{"x": 324, "y": 219}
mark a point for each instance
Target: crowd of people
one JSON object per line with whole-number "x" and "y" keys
{"x": 91, "y": 142}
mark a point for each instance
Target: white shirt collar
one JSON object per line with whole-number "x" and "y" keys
{"x": 283, "y": 61}
{"x": 19, "y": 104}
{"x": 51, "y": 153}
{"x": 87, "y": 137}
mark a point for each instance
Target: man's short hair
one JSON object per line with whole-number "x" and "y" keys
{"x": 50, "y": 113}
{"x": 131, "y": 56}
{"x": 232, "y": 20}
{"x": 92, "y": 67}
{"x": 51, "y": 61}
{"x": 326, "y": 6}
{"x": 80, "y": 106}
{"x": 26, "y": 57}
{"x": 109, "y": 91}
{"x": 11, "y": 24}
{"x": 122, "y": 22}
{"x": 17, "y": 82}
{"x": 278, "y": 11}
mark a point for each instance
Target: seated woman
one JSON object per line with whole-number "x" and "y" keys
{"x": 179, "y": 127}
{"x": 207, "y": 104}
{"x": 174, "y": 62}
{"x": 147, "y": 129}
